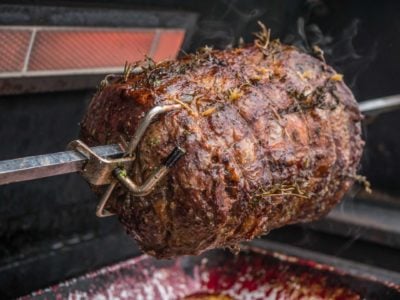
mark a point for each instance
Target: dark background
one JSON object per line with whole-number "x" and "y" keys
{"x": 48, "y": 229}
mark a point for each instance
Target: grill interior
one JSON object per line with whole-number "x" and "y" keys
{"x": 49, "y": 232}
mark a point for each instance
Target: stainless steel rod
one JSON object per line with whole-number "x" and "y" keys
{"x": 34, "y": 167}
{"x": 40, "y": 166}
{"x": 380, "y": 105}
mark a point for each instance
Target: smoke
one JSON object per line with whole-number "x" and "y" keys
{"x": 338, "y": 43}
{"x": 344, "y": 55}
{"x": 306, "y": 34}
{"x": 355, "y": 235}
{"x": 215, "y": 33}
{"x": 304, "y": 24}
{"x": 226, "y": 22}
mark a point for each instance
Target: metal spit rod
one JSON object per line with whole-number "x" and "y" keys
{"x": 46, "y": 165}
{"x": 380, "y": 105}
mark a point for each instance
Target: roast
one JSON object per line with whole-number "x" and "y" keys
{"x": 271, "y": 137}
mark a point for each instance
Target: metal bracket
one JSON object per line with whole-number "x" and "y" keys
{"x": 101, "y": 171}
{"x": 98, "y": 170}
{"x": 155, "y": 177}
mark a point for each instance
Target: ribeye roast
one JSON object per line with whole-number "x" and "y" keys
{"x": 272, "y": 137}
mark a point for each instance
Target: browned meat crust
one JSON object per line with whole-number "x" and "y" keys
{"x": 272, "y": 137}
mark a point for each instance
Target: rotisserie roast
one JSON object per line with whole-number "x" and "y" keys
{"x": 271, "y": 134}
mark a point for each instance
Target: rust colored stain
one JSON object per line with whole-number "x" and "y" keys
{"x": 169, "y": 44}
{"x": 13, "y": 48}
{"x": 63, "y": 50}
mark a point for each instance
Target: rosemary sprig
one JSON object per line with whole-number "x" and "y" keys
{"x": 127, "y": 71}
{"x": 263, "y": 37}
{"x": 283, "y": 190}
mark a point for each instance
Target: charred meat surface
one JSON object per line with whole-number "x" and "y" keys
{"x": 272, "y": 137}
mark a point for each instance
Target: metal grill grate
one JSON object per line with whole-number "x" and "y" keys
{"x": 63, "y": 50}
{"x": 168, "y": 45}
{"x": 13, "y": 48}
{"x": 45, "y": 50}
